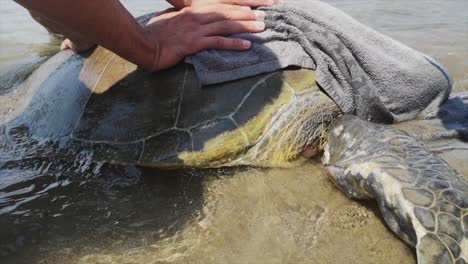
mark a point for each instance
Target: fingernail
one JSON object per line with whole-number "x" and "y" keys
{"x": 246, "y": 7}
{"x": 260, "y": 25}
{"x": 246, "y": 44}
{"x": 270, "y": 2}
{"x": 260, "y": 14}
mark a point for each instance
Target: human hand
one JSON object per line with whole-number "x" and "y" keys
{"x": 179, "y": 4}
{"x": 178, "y": 34}
{"x": 250, "y": 3}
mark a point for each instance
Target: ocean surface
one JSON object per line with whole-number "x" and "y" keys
{"x": 57, "y": 211}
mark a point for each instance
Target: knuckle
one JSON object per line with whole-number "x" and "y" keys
{"x": 219, "y": 42}
{"x": 251, "y": 15}
{"x": 189, "y": 16}
{"x": 238, "y": 42}
{"x": 218, "y": 28}
{"x": 187, "y": 10}
{"x": 243, "y": 26}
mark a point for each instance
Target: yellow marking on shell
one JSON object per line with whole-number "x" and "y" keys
{"x": 103, "y": 69}
{"x": 301, "y": 80}
{"x": 228, "y": 146}
{"x": 117, "y": 69}
{"x": 93, "y": 67}
{"x": 255, "y": 127}
{"x": 217, "y": 151}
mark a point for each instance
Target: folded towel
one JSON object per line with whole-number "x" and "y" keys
{"x": 363, "y": 71}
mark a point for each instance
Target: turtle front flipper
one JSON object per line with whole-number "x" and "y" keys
{"x": 422, "y": 199}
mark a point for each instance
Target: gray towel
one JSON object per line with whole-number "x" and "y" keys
{"x": 363, "y": 71}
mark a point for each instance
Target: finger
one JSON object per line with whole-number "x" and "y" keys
{"x": 222, "y": 43}
{"x": 250, "y": 2}
{"x": 228, "y": 27}
{"x": 221, "y": 12}
{"x": 166, "y": 14}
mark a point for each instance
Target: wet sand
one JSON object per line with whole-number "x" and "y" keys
{"x": 274, "y": 216}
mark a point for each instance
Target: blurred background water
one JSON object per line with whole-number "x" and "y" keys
{"x": 56, "y": 211}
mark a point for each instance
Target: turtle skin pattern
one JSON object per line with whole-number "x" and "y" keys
{"x": 422, "y": 199}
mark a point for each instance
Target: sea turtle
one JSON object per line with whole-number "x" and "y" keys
{"x": 101, "y": 104}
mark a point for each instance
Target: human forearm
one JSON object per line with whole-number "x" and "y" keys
{"x": 105, "y": 22}
{"x": 166, "y": 40}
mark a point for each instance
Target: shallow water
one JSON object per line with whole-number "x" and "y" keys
{"x": 56, "y": 211}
